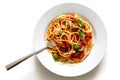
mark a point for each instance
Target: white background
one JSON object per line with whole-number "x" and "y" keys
{"x": 18, "y": 19}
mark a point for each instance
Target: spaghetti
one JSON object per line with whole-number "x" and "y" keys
{"x": 73, "y": 36}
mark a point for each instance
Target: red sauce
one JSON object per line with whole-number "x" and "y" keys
{"x": 76, "y": 56}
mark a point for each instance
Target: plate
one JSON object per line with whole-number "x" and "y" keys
{"x": 98, "y": 50}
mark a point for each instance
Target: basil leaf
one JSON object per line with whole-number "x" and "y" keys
{"x": 81, "y": 33}
{"x": 61, "y": 33}
{"x": 55, "y": 56}
{"x": 80, "y": 23}
{"x": 74, "y": 29}
{"x": 78, "y": 51}
{"x": 76, "y": 47}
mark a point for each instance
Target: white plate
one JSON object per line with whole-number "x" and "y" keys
{"x": 98, "y": 50}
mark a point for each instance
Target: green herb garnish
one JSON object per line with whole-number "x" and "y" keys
{"x": 76, "y": 47}
{"x": 78, "y": 51}
{"x": 61, "y": 33}
{"x": 74, "y": 29}
{"x": 55, "y": 56}
{"x": 81, "y": 33}
{"x": 80, "y": 23}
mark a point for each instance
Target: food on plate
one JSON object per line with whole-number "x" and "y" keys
{"x": 73, "y": 35}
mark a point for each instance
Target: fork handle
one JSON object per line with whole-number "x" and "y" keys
{"x": 18, "y": 61}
